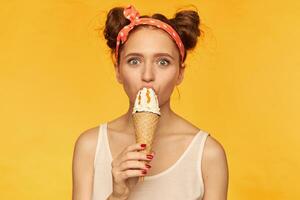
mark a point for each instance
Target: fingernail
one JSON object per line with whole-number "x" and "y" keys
{"x": 144, "y": 171}
{"x": 143, "y": 145}
{"x": 149, "y": 156}
{"x": 148, "y": 166}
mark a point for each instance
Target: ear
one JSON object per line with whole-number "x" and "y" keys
{"x": 118, "y": 76}
{"x": 181, "y": 74}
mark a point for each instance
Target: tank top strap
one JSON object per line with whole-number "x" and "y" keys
{"x": 102, "y": 180}
{"x": 195, "y": 149}
{"x": 104, "y": 129}
{"x": 198, "y": 153}
{"x": 200, "y": 142}
{"x": 102, "y": 148}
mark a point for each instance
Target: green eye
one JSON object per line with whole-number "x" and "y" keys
{"x": 133, "y": 61}
{"x": 165, "y": 62}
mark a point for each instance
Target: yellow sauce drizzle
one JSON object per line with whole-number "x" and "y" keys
{"x": 140, "y": 98}
{"x": 148, "y": 96}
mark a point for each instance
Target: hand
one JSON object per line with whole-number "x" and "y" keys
{"x": 127, "y": 167}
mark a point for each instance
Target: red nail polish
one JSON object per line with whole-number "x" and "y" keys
{"x": 144, "y": 171}
{"x": 149, "y": 156}
{"x": 148, "y": 166}
{"x": 143, "y": 145}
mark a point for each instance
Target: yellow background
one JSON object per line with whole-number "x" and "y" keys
{"x": 241, "y": 85}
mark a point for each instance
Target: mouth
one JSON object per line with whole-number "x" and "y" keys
{"x": 149, "y": 88}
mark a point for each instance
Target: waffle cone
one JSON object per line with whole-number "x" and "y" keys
{"x": 145, "y": 124}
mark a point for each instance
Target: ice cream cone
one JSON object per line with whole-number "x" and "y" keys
{"x": 145, "y": 124}
{"x": 145, "y": 116}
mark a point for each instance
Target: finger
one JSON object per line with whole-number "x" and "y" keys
{"x": 136, "y": 156}
{"x": 133, "y": 165}
{"x": 135, "y": 147}
{"x": 133, "y": 173}
{"x": 130, "y": 148}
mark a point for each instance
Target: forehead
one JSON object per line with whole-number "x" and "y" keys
{"x": 146, "y": 40}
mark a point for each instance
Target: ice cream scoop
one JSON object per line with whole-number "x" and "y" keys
{"x": 146, "y": 101}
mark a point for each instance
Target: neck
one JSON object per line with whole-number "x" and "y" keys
{"x": 166, "y": 116}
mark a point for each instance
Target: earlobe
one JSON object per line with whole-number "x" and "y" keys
{"x": 118, "y": 77}
{"x": 181, "y": 74}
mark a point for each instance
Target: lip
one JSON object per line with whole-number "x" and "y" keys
{"x": 149, "y": 86}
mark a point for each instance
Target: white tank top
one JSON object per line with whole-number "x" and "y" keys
{"x": 183, "y": 180}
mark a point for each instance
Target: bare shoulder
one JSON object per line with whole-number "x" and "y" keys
{"x": 87, "y": 140}
{"x": 213, "y": 149}
{"x": 83, "y": 164}
{"x": 214, "y": 169}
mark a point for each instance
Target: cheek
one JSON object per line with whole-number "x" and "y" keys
{"x": 167, "y": 86}
{"x": 130, "y": 84}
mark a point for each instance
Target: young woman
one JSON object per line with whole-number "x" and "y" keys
{"x": 187, "y": 163}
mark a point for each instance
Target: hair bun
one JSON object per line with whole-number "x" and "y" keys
{"x": 187, "y": 24}
{"x": 115, "y": 21}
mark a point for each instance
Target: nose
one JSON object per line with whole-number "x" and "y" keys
{"x": 148, "y": 74}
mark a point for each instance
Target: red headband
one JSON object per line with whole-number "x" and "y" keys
{"x": 133, "y": 15}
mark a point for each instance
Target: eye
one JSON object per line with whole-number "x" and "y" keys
{"x": 164, "y": 62}
{"x": 133, "y": 61}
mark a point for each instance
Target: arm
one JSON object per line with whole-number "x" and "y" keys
{"x": 215, "y": 170}
{"x": 83, "y": 165}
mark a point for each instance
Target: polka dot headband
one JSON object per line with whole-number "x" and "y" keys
{"x": 133, "y": 15}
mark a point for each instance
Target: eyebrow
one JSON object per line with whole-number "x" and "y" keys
{"x": 156, "y": 54}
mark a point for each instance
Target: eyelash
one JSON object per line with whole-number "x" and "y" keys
{"x": 168, "y": 62}
{"x": 129, "y": 60}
